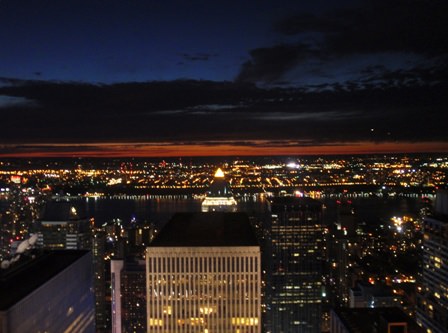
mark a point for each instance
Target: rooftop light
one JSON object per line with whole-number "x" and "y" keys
{"x": 219, "y": 173}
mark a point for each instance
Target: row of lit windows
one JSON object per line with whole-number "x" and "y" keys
{"x": 195, "y": 321}
{"x": 203, "y": 264}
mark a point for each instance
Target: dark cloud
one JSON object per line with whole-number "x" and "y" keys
{"x": 269, "y": 64}
{"x": 402, "y": 26}
{"x": 204, "y": 111}
{"x": 417, "y": 76}
{"x": 10, "y": 102}
{"x": 415, "y": 27}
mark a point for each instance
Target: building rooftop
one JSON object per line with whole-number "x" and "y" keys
{"x": 207, "y": 229}
{"x": 369, "y": 320}
{"x": 63, "y": 211}
{"x": 219, "y": 187}
{"x": 290, "y": 203}
{"x": 28, "y": 274}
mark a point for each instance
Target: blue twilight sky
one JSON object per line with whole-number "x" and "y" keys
{"x": 111, "y": 41}
{"x": 133, "y": 40}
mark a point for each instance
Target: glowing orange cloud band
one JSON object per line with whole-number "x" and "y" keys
{"x": 255, "y": 148}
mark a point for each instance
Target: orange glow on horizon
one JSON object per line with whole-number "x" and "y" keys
{"x": 256, "y": 148}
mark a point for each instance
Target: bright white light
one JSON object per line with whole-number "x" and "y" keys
{"x": 298, "y": 194}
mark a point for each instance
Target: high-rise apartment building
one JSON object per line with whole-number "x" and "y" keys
{"x": 204, "y": 275}
{"x": 295, "y": 289}
{"x": 432, "y": 299}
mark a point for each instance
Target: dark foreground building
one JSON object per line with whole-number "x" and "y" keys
{"x": 48, "y": 292}
{"x": 368, "y": 320}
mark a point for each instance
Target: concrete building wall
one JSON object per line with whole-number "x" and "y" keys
{"x": 215, "y": 288}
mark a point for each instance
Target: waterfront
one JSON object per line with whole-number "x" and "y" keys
{"x": 158, "y": 210}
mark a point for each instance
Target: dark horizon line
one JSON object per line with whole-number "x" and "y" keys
{"x": 329, "y": 155}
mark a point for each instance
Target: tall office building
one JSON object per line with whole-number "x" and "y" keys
{"x": 128, "y": 295}
{"x": 47, "y": 292}
{"x": 100, "y": 270}
{"x": 219, "y": 196}
{"x": 295, "y": 288}
{"x": 203, "y": 275}
{"x": 64, "y": 225}
{"x": 432, "y": 300}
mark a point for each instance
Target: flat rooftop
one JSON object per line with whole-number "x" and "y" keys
{"x": 206, "y": 229}
{"x": 63, "y": 211}
{"x": 362, "y": 320}
{"x": 28, "y": 274}
{"x": 290, "y": 203}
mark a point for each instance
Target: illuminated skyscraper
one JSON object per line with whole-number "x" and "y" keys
{"x": 295, "y": 295}
{"x": 128, "y": 295}
{"x": 100, "y": 267}
{"x": 219, "y": 197}
{"x": 432, "y": 301}
{"x": 64, "y": 225}
{"x": 203, "y": 275}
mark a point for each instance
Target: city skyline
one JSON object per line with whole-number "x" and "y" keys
{"x": 174, "y": 79}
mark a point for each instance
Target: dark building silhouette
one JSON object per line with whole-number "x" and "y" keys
{"x": 295, "y": 289}
{"x": 49, "y": 291}
{"x": 367, "y": 320}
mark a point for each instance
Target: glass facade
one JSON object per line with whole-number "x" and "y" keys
{"x": 295, "y": 284}
{"x": 61, "y": 300}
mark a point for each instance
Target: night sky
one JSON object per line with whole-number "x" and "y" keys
{"x": 183, "y": 78}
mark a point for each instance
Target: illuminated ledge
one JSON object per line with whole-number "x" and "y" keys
{"x": 219, "y": 201}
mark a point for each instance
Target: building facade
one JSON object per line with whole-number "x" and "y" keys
{"x": 295, "y": 288}
{"x": 48, "y": 292}
{"x": 219, "y": 196}
{"x": 128, "y": 295}
{"x": 64, "y": 225}
{"x": 432, "y": 299}
{"x": 206, "y": 279}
